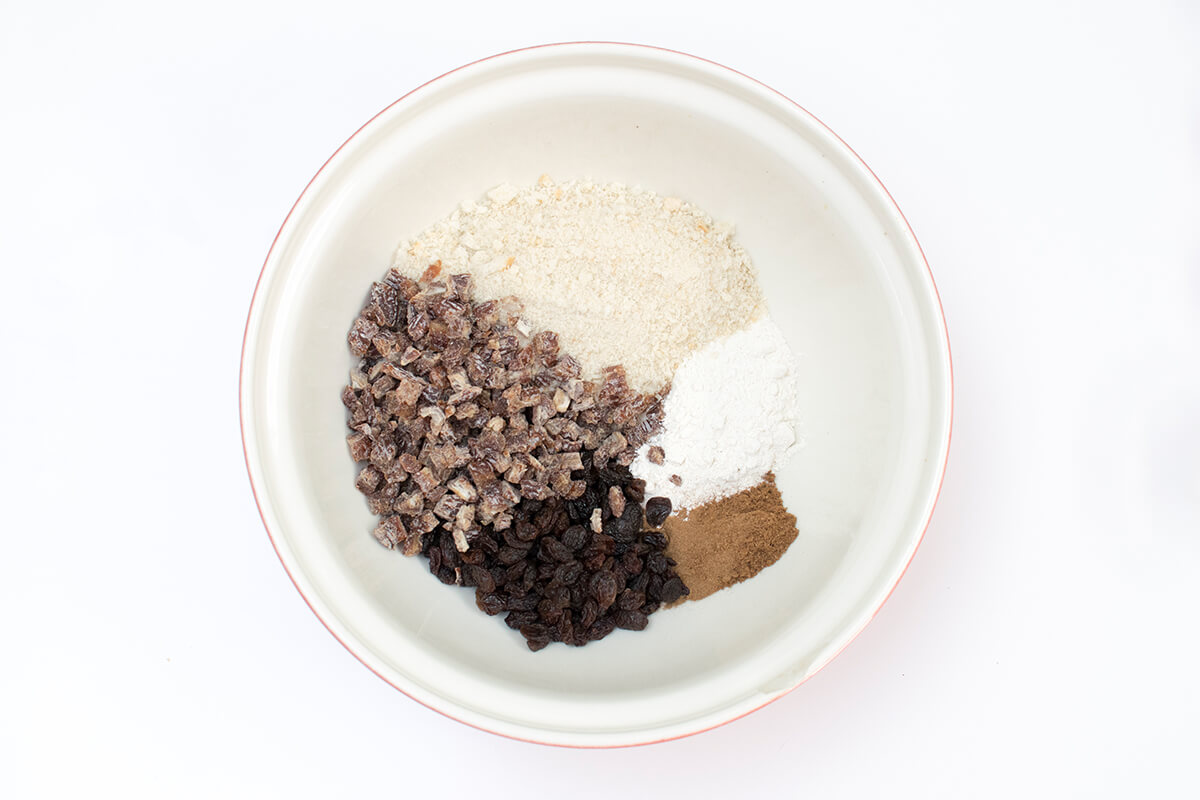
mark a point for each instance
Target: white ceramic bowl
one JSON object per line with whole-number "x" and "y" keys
{"x": 846, "y": 282}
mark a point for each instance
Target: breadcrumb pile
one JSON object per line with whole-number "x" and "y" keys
{"x": 623, "y": 275}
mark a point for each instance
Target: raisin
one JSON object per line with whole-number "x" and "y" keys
{"x": 525, "y": 603}
{"x": 631, "y": 519}
{"x": 535, "y": 630}
{"x": 575, "y": 537}
{"x": 630, "y": 620}
{"x": 656, "y": 562}
{"x": 478, "y": 576}
{"x": 564, "y": 630}
{"x": 568, "y": 574}
{"x": 556, "y": 550}
{"x": 673, "y": 589}
{"x": 594, "y": 562}
{"x": 517, "y": 619}
{"x": 603, "y": 588}
{"x": 549, "y": 611}
{"x": 629, "y": 600}
{"x": 657, "y": 511}
{"x": 510, "y": 555}
{"x": 640, "y": 582}
{"x": 654, "y": 540}
{"x": 489, "y": 603}
{"x": 525, "y": 531}
{"x": 601, "y": 628}
{"x": 514, "y": 574}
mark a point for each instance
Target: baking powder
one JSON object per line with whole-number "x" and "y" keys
{"x": 730, "y": 418}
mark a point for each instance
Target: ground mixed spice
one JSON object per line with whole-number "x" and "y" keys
{"x": 730, "y": 540}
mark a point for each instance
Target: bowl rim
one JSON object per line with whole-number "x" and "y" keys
{"x": 686, "y": 57}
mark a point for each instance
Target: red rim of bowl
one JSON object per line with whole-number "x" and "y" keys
{"x": 941, "y": 318}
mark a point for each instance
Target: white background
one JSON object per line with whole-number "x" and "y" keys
{"x": 1044, "y": 640}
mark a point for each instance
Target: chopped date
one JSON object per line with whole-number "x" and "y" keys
{"x": 418, "y": 323}
{"x": 361, "y": 336}
{"x": 390, "y": 532}
{"x": 388, "y": 343}
{"x": 368, "y": 480}
{"x": 383, "y": 307}
{"x": 407, "y": 286}
{"x": 360, "y": 446}
{"x": 616, "y": 501}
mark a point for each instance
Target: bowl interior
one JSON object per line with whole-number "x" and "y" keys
{"x": 845, "y": 283}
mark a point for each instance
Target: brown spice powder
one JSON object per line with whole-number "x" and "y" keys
{"x": 730, "y": 540}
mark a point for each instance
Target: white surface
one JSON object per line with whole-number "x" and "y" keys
{"x": 841, "y": 273}
{"x": 1041, "y": 642}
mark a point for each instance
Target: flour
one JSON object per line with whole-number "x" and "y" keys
{"x": 730, "y": 418}
{"x": 623, "y": 275}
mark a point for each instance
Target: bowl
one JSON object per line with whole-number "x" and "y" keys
{"x": 845, "y": 280}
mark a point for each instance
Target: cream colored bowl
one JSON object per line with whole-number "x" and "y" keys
{"x": 845, "y": 280}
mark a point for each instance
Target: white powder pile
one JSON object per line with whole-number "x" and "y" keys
{"x": 730, "y": 418}
{"x": 623, "y": 275}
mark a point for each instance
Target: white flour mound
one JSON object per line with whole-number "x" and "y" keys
{"x": 730, "y": 418}
{"x": 624, "y": 276}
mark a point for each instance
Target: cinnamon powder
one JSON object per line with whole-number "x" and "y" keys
{"x": 730, "y": 540}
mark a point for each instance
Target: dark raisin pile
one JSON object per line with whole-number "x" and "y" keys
{"x": 554, "y": 576}
{"x": 488, "y": 453}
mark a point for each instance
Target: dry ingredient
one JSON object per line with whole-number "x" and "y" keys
{"x": 730, "y": 540}
{"x": 546, "y": 481}
{"x": 560, "y": 580}
{"x": 485, "y": 450}
{"x": 657, "y": 511}
{"x": 730, "y": 417}
{"x": 623, "y": 275}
